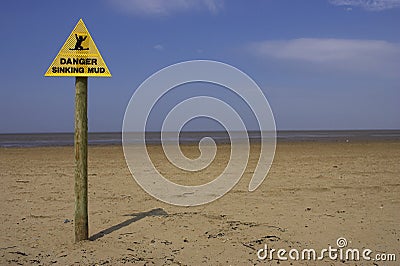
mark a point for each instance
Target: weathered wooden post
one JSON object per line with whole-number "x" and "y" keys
{"x": 80, "y": 58}
{"x": 81, "y": 152}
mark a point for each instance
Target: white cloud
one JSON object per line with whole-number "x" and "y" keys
{"x": 365, "y": 55}
{"x": 158, "y": 47}
{"x": 370, "y": 5}
{"x": 167, "y": 7}
{"x": 214, "y": 5}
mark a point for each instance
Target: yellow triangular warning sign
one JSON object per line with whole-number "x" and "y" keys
{"x": 79, "y": 56}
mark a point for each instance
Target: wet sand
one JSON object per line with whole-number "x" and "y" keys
{"x": 315, "y": 193}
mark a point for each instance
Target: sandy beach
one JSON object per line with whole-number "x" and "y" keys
{"x": 315, "y": 193}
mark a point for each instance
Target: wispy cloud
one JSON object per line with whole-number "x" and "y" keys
{"x": 366, "y": 55}
{"x": 167, "y": 7}
{"x": 158, "y": 47}
{"x": 370, "y": 5}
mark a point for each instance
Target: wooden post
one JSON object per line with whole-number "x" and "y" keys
{"x": 81, "y": 151}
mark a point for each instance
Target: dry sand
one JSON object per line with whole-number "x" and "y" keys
{"x": 315, "y": 193}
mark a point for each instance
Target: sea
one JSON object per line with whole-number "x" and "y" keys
{"x": 115, "y": 138}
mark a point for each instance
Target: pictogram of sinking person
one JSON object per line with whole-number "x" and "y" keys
{"x": 79, "y": 40}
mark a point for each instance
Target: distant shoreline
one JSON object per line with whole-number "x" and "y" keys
{"x": 115, "y": 138}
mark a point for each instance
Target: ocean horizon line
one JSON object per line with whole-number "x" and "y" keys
{"x": 154, "y": 137}
{"x": 199, "y": 131}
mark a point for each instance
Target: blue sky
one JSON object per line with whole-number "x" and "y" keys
{"x": 321, "y": 64}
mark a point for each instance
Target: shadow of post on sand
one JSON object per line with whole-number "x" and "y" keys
{"x": 136, "y": 217}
